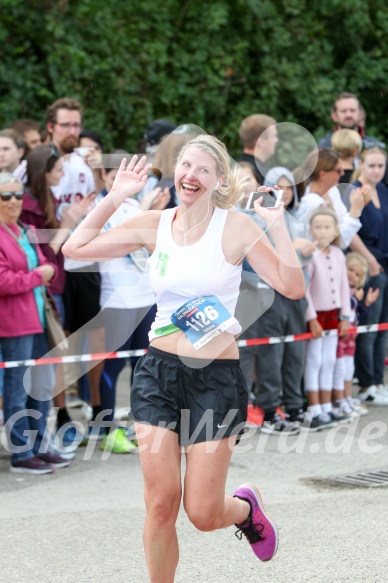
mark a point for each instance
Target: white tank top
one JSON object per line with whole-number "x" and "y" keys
{"x": 179, "y": 274}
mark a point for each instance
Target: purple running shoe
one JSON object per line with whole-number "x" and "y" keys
{"x": 260, "y": 531}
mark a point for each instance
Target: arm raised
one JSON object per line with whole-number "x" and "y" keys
{"x": 88, "y": 243}
{"x": 278, "y": 266}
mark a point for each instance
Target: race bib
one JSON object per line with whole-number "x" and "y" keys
{"x": 202, "y": 319}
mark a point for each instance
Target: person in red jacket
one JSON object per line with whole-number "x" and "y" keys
{"x": 24, "y": 273}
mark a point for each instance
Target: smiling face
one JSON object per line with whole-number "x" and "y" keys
{"x": 355, "y": 274}
{"x": 323, "y": 230}
{"x": 195, "y": 176}
{"x": 10, "y": 209}
{"x": 373, "y": 167}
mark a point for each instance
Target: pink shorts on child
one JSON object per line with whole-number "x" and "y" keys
{"x": 346, "y": 345}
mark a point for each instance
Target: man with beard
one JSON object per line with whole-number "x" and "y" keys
{"x": 81, "y": 296}
{"x": 64, "y": 124}
{"x": 348, "y": 113}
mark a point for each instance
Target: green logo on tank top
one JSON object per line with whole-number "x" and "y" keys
{"x": 162, "y": 264}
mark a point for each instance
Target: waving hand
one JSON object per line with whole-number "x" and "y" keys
{"x": 130, "y": 179}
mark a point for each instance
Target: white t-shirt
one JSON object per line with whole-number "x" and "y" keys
{"x": 77, "y": 181}
{"x": 125, "y": 280}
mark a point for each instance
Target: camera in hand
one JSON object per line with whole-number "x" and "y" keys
{"x": 271, "y": 199}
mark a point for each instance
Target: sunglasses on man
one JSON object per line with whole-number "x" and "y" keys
{"x": 6, "y": 196}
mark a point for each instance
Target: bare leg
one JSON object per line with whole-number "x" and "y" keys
{"x": 59, "y": 396}
{"x": 348, "y": 389}
{"x": 160, "y": 458}
{"x": 97, "y": 344}
{"x": 205, "y": 502}
{"x": 325, "y": 396}
{"x": 338, "y": 394}
{"x": 313, "y": 398}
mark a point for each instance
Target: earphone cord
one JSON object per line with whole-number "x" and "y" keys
{"x": 254, "y": 242}
{"x": 195, "y": 226}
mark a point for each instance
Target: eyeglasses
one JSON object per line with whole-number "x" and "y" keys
{"x": 338, "y": 170}
{"x": 6, "y": 196}
{"x": 68, "y": 126}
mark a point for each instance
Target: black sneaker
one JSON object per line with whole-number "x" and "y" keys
{"x": 338, "y": 417}
{"x": 322, "y": 421}
{"x": 279, "y": 425}
{"x": 296, "y": 415}
{"x": 54, "y": 460}
{"x": 32, "y": 465}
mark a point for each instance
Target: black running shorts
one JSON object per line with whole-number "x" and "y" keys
{"x": 199, "y": 403}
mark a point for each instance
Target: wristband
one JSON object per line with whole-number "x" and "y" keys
{"x": 344, "y": 318}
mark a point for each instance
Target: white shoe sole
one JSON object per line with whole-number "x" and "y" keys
{"x": 32, "y": 472}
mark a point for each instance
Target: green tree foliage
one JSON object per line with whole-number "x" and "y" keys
{"x": 207, "y": 63}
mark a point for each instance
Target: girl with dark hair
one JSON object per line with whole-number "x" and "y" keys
{"x": 44, "y": 170}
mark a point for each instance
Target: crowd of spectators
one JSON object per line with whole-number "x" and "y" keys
{"x": 51, "y": 176}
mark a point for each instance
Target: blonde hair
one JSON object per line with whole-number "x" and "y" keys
{"x": 327, "y": 211}
{"x": 374, "y": 150}
{"x": 229, "y": 192}
{"x": 357, "y": 259}
{"x": 345, "y": 142}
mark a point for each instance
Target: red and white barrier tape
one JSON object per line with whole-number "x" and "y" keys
{"x": 241, "y": 344}
{"x": 308, "y": 336}
{"x": 73, "y": 358}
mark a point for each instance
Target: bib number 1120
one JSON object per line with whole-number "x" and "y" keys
{"x": 201, "y": 318}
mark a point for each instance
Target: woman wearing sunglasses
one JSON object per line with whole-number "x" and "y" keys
{"x": 323, "y": 169}
{"x": 24, "y": 271}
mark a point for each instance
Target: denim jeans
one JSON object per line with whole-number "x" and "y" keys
{"x": 371, "y": 346}
{"x": 26, "y": 389}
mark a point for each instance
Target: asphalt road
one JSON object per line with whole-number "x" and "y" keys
{"x": 84, "y": 523}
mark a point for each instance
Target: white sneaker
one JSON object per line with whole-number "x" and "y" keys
{"x": 372, "y": 396}
{"x": 346, "y": 410}
{"x": 382, "y": 390}
{"x": 87, "y": 411}
{"x": 359, "y": 409}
